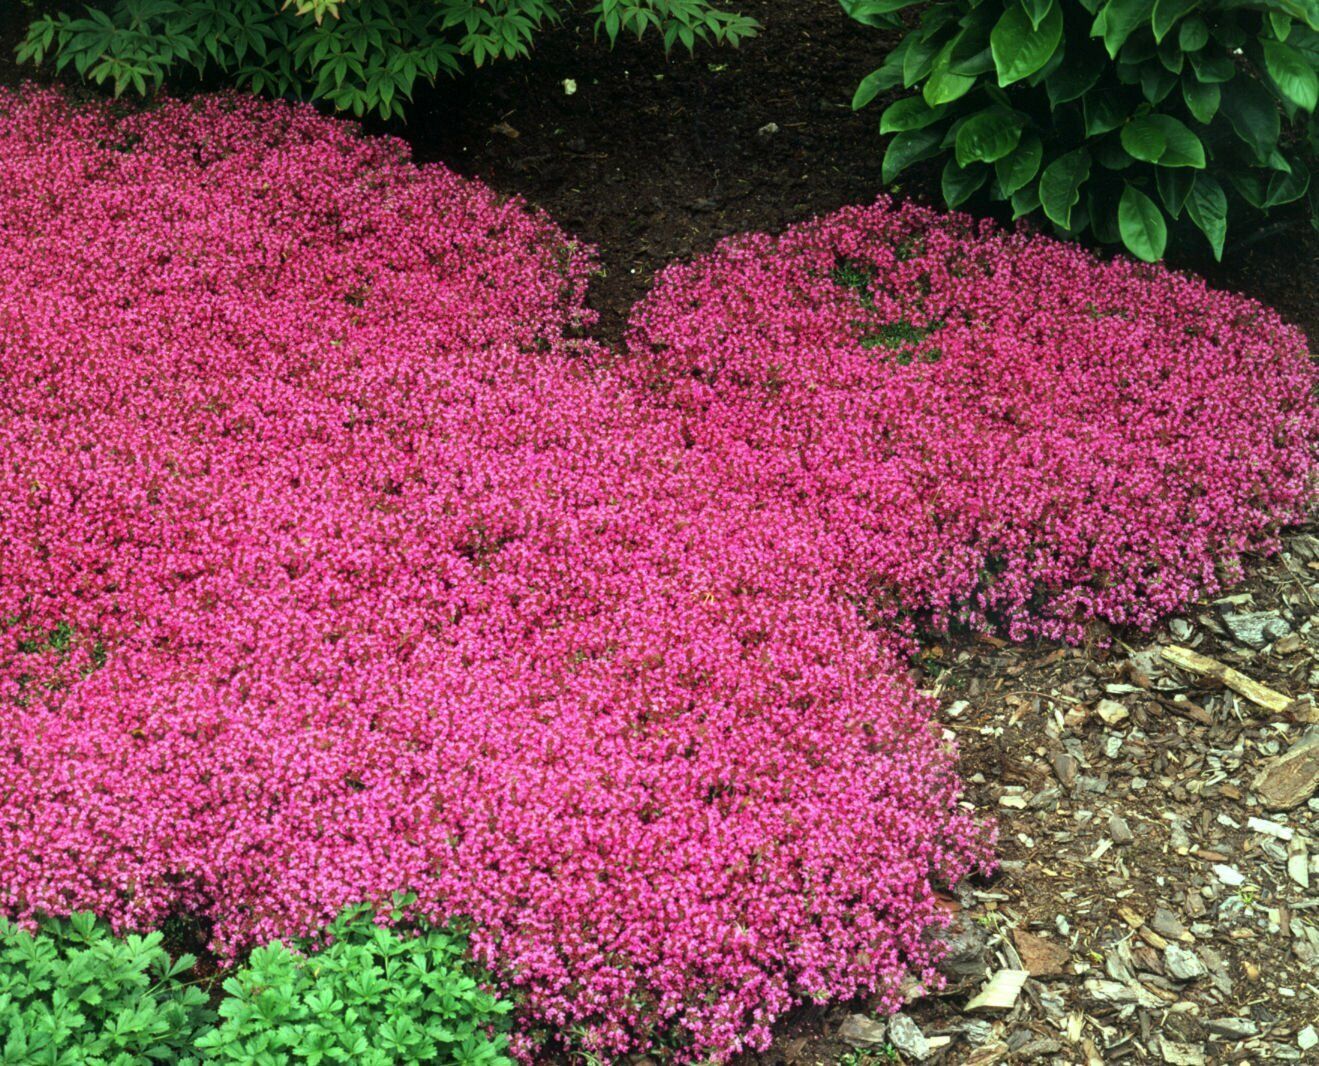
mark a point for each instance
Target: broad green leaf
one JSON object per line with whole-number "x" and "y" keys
{"x": 1119, "y": 19}
{"x": 1037, "y": 10}
{"x": 1141, "y": 224}
{"x": 942, "y": 86}
{"x": 1060, "y": 185}
{"x": 959, "y": 183}
{"x": 1293, "y": 73}
{"x": 1161, "y": 139}
{"x": 1082, "y": 67}
{"x": 907, "y": 148}
{"x": 1201, "y": 98}
{"x": 1168, "y": 12}
{"x": 1253, "y": 115}
{"x": 1207, "y": 207}
{"x": 1019, "y": 48}
{"x": 1288, "y": 187}
{"x": 1021, "y": 166}
{"x": 1174, "y": 184}
{"x": 1192, "y": 35}
{"x": 1103, "y": 112}
{"x": 988, "y": 135}
{"x": 909, "y": 113}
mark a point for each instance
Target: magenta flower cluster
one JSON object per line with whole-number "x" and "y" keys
{"x": 984, "y": 428}
{"x": 333, "y": 562}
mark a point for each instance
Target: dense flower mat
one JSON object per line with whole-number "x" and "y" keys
{"x": 331, "y": 567}
{"x": 987, "y": 428}
{"x": 332, "y": 564}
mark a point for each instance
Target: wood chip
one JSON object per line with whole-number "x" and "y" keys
{"x": 1001, "y": 992}
{"x": 1260, "y": 695}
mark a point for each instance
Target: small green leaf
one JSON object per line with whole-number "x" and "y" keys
{"x": 1141, "y": 224}
{"x": 907, "y": 148}
{"x": 1119, "y": 19}
{"x": 1202, "y": 99}
{"x": 1021, "y": 49}
{"x": 1293, "y": 73}
{"x": 1161, "y": 139}
{"x": 909, "y": 113}
{"x": 1167, "y": 13}
{"x": 988, "y": 135}
{"x": 1207, "y": 208}
{"x": 1060, "y": 185}
{"x": 960, "y": 183}
{"x": 1253, "y": 115}
{"x": 1021, "y": 166}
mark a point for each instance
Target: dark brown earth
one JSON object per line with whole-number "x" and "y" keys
{"x": 654, "y": 160}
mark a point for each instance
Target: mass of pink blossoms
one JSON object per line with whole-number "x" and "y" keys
{"x": 332, "y": 565}
{"x": 985, "y": 428}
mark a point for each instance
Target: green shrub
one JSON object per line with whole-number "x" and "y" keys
{"x": 1111, "y": 116}
{"x": 360, "y": 55}
{"x": 74, "y": 993}
{"x": 372, "y": 997}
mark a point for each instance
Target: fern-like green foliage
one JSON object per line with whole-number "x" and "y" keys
{"x": 360, "y": 55}
{"x": 75, "y": 993}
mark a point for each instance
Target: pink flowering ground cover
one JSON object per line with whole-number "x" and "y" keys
{"x": 985, "y": 428}
{"x": 331, "y": 564}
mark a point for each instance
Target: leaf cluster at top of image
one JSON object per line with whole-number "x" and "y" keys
{"x": 1137, "y": 122}
{"x": 334, "y": 563}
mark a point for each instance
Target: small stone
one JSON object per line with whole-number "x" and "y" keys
{"x": 768, "y": 130}
{"x": 1233, "y": 1028}
{"x": 1040, "y": 957}
{"x": 1112, "y": 712}
{"x": 1065, "y": 767}
{"x": 861, "y": 1032}
{"x": 1273, "y": 829}
{"x": 1119, "y": 830}
{"x": 1290, "y": 779}
{"x": 1229, "y": 875}
{"x": 1307, "y": 1038}
{"x": 1180, "y": 1054}
{"x": 1183, "y": 965}
{"x": 1013, "y": 802}
{"x": 1255, "y": 629}
{"x": 1167, "y": 923}
{"x": 1181, "y": 629}
{"x": 906, "y": 1036}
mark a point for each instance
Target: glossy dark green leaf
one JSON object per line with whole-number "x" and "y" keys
{"x": 1119, "y": 19}
{"x": 1141, "y": 224}
{"x": 1161, "y": 139}
{"x": 1060, "y": 185}
{"x": 1167, "y": 13}
{"x": 988, "y": 135}
{"x": 1202, "y": 99}
{"x": 1174, "y": 185}
{"x": 907, "y": 148}
{"x": 960, "y": 183}
{"x": 1018, "y": 168}
{"x": 1207, "y": 208}
{"x": 909, "y": 113}
{"x": 1293, "y": 73}
{"x": 1021, "y": 49}
{"x": 1253, "y": 115}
